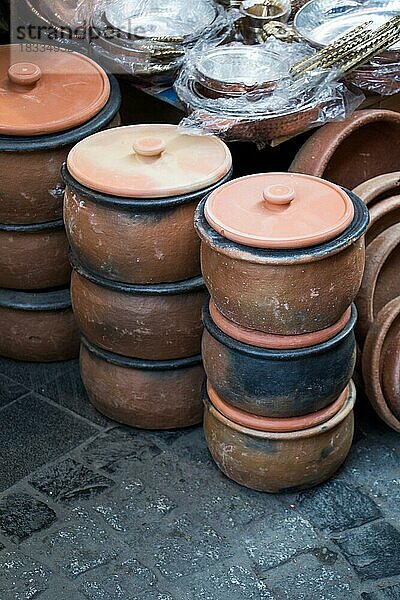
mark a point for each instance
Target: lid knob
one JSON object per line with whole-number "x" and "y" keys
{"x": 24, "y": 73}
{"x": 149, "y": 146}
{"x": 278, "y": 195}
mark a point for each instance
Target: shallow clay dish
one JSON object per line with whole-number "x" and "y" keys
{"x": 378, "y": 188}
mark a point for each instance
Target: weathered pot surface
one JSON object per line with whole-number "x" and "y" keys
{"x": 130, "y": 200}
{"x": 278, "y": 383}
{"x": 378, "y": 188}
{"x": 43, "y": 125}
{"x": 297, "y": 290}
{"x": 380, "y": 371}
{"x": 145, "y": 394}
{"x": 363, "y": 146}
{"x": 153, "y": 322}
{"x": 380, "y": 282}
{"x": 34, "y": 257}
{"x": 38, "y": 327}
{"x": 279, "y": 462}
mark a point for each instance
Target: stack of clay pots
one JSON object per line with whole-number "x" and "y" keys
{"x": 137, "y": 291}
{"x": 282, "y": 256}
{"x": 48, "y": 105}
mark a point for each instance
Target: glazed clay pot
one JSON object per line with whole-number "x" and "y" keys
{"x": 283, "y": 291}
{"x": 34, "y": 257}
{"x": 145, "y": 394}
{"x": 380, "y": 282}
{"x": 153, "y": 322}
{"x": 349, "y": 152}
{"x": 381, "y": 364}
{"x": 37, "y": 143}
{"x": 378, "y": 188}
{"x": 280, "y": 462}
{"x": 38, "y": 327}
{"x": 135, "y": 224}
{"x": 278, "y": 383}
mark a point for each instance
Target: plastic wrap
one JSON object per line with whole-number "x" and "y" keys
{"x": 268, "y": 111}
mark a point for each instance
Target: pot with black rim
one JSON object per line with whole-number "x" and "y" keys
{"x": 151, "y": 322}
{"x": 130, "y": 200}
{"x": 282, "y": 253}
{"x": 50, "y": 104}
{"x": 143, "y": 393}
{"x": 278, "y": 376}
{"x": 37, "y": 326}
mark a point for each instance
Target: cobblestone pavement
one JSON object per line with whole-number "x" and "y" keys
{"x": 92, "y": 510}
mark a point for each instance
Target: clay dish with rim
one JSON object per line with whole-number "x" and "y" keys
{"x": 378, "y": 188}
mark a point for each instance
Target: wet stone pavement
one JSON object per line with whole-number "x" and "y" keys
{"x": 90, "y": 510}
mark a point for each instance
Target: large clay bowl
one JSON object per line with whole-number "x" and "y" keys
{"x": 284, "y": 292}
{"x": 278, "y": 383}
{"x": 30, "y": 168}
{"x": 349, "y": 152}
{"x": 381, "y": 364}
{"x": 381, "y": 282}
{"x": 145, "y": 394}
{"x": 37, "y": 327}
{"x": 383, "y": 215}
{"x": 378, "y": 188}
{"x": 34, "y": 257}
{"x": 279, "y": 462}
{"x": 133, "y": 240}
{"x": 153, "y": 322}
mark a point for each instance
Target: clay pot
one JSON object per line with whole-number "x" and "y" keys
{"x": 37, "y": 327}
{"x": 378, "y": 188}
{"x": 34, "y": 257}
{"x": 35, "y": 193}
{"x": 381, "y": 364}
{"x": 380, "y": 282}
{"x": 284, "y": 291}
{"x": 349, "y": 152}
{"x": 279, "y": 462}
{"x": 153, "y": 322}
{"x": 383, "y": 215}
{"x": 145, "y": 394}
{"x": 278, "y": 383}
{"x": 148, "y": 238}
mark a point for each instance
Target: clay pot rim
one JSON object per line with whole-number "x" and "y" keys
{"x": 381, "y": 208}
{"x": 186, "y": 286}
{"x": 32, "y": 227}
{"x": 126, "y": 202}
{"x": 272, "y": 341}
{"x": 380, "y": 184}
{"x": 240, "y": 252}
{"x": 371, "y": 361}
{"x": 35, "y": 301}
{"x": 34, "y": 143}
{"x": 276, "y": 424}
{"x": 134, "y": 363}
{"x": 288, "y": 435}
{"x": 270, "y": 354}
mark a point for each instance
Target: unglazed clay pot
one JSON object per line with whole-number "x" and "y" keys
{"x": 143, "y": 393}
{"x": 349, "y": 152}
{"x": 381, "y": 282}
{"x": 378, "y": 188}
{"x": 280, "y": 461}
{"x": 38, "y": 327}
{"x": 284, "y": 267}
{"x": 34, "y": 257}
{"x": 278, "y": 383}
{"x": 383, "y": 215}
{"x": 50, "y": 104}
{"x": 153, "y": 322}
{"x": 130, "y": 199}
{"x": 381, "y": 364}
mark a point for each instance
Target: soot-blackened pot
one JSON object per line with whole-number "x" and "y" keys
{"x": 279, "y": 462}
{"x": 145, "y": 394}
{"x": 284, "y": 292}
{"x": 152, "y": 322}
{"x": 278, "y": 383}
{"x": 34, "y": 257}
{"x": 38, "y": 327}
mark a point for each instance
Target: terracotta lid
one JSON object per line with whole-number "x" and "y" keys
{"x": 274, "y": 424}
{"x": 279, "y": 210}
{"x": 47, "y": 91}
{"x": 143, "y": 161}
